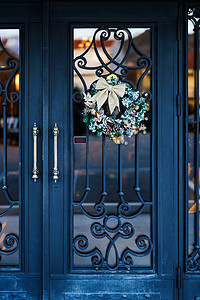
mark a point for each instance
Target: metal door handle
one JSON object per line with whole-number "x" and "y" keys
{"x": 35, "y": 169}
{"x": 55, "y": 164}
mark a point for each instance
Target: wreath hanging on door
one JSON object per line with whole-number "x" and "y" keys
{"x": 113, "y": 108}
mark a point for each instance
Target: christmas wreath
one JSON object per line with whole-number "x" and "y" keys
{"x": 113, "y": 108}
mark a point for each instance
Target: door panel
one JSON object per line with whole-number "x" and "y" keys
{"x": 22, "y": 279}
{"x": 191, "y": 284}
{"x": 73, "y": 274}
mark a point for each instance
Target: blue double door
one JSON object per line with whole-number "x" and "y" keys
{"x": 103, "y": 217}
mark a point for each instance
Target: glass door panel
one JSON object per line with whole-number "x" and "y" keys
{"x": 112, "y": 207}
{"x": 9, "y": 147}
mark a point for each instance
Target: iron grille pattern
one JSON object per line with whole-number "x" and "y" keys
{"x": 193, "y": 261}
{"x": 10, "y": 241}
{"x": 100, "y": 228}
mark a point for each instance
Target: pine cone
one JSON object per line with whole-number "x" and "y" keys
{"x": 107, "y": 130}
{"x": 116, "y": 128}
{"x": 110, "y": 122}
{"x": 132, "y": 106}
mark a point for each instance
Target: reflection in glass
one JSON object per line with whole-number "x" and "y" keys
{"x": 96, "y": 160}
{"x": 193, "y": 142}
{"x": 9, "y": 147}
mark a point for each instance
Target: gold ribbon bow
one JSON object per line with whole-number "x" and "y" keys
{"x": 110, "y": 92}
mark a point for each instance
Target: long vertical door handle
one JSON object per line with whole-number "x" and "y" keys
{"x": 35, "y": 169}
{"x": 55, "y": 163}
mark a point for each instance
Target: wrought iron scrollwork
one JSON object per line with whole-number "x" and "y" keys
{"x": 10, "y": 244}
{"x": 116, "y": 65}
{"x": 124, "y": 231}
{"x": 193, "y": 262}
{"x": 12, "y": 64}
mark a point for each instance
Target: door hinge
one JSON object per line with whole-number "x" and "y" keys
{"x": 178, "y": 30}
{"x": 178, "y": 105}
{"x": 178, "y": 278}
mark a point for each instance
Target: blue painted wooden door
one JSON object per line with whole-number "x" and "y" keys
{"x": 102, "y": 220}
{"x": 113, "y": 215}
{"x": 20, "y": 196}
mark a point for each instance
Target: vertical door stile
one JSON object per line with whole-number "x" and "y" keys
{"x": 46, "y": 154}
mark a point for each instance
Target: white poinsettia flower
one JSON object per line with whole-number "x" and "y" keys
{"x": 87, "y": 100}
{"x": 86, "y": 110}
{"x": 86, "y": 97}
{"x": 90, "y": 104}
{"x": 99, "y": 118}
{"x": 142, "y": 127}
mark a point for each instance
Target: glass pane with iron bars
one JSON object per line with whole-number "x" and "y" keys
{"x": 9, "y": 147}
{"x": 112, "y": 202}
{"x": 193, "y": 217}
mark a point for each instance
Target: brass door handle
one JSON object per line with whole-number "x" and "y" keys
{"x": 55, "y": 164}
{"x": 35, "y": 169}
